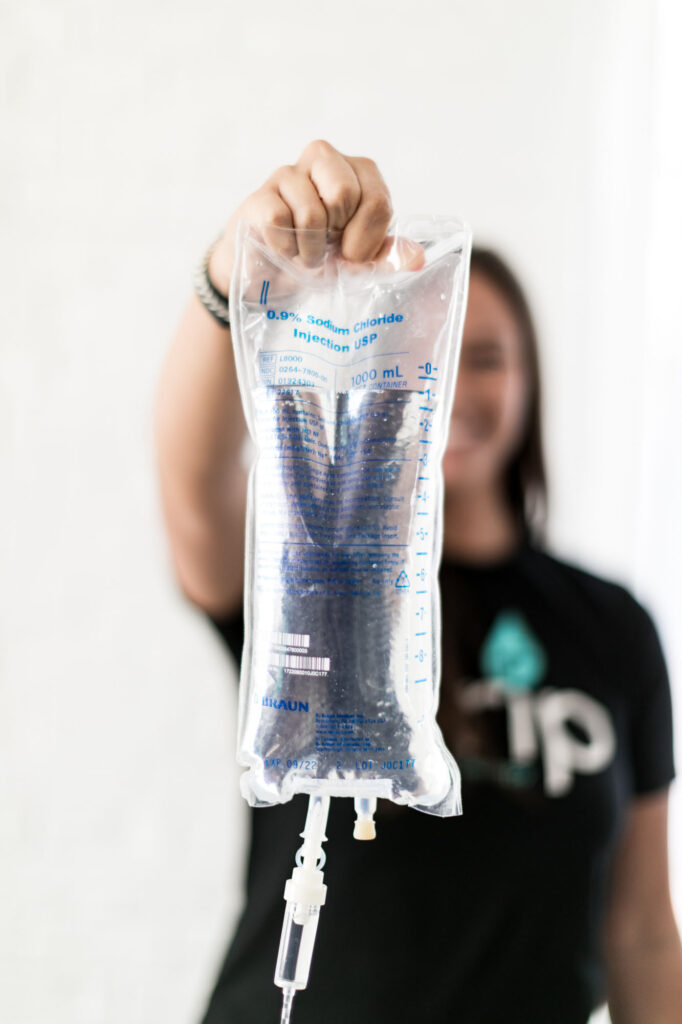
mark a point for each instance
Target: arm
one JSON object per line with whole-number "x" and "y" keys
{"x": 642, "y": 943}
{"x": 200, "y": 431}
{"x": 199, "y": 423}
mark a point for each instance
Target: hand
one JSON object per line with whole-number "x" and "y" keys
{"x": 327, "y": 191}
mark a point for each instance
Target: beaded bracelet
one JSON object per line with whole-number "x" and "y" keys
{"x": 214, "y": 301}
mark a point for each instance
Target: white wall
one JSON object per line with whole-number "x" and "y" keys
{"x": 130, "y": 130}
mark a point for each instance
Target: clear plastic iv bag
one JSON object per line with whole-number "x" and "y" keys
{"x": 347, "y": 374}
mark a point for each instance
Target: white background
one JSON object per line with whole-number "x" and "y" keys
{"x": 130, "y": 131}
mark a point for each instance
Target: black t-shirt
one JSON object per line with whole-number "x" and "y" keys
{"x": 492, "y": 917}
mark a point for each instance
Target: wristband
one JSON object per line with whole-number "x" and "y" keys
{"x": 214, "y": 301}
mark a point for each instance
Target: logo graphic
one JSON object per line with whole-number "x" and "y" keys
{"x": 512, "y": 654}
{"x": 539, "y": 721}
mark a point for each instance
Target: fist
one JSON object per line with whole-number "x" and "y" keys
{"x": 327, "y": 191}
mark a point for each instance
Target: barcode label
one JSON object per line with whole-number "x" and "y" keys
{"x": 291, "y": 639}
{"x": 300, "y": 661}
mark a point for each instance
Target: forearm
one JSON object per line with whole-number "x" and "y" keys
{"x": 200, "y": 426}
{"x": 645, "y": 982}
{"x": 200, "y": 432}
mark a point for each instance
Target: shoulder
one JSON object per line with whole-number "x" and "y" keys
{"x": 609, "y": 602}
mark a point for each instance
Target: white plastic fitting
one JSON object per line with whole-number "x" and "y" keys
{"x": 305, "y": 889}
{"x": 365, "y": 809}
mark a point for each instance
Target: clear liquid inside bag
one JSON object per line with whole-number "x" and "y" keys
{"x": 347, "y": 376}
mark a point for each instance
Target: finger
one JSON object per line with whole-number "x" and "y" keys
{"x": 308, "y": 213}
{"x": 335, "y": 180}
{"x": 268, "y": 211}
{"x": 365, "y": 233}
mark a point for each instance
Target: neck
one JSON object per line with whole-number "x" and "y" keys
{"x": 479, "y": 525}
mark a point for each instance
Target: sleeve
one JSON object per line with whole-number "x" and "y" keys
{"x": 651, "y": 731}
{"x": 231, "y": 629}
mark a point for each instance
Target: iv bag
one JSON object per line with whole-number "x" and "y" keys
{"x": 347, "y": 375}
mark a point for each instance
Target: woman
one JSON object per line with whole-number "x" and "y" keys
{"x": 551, "y": 892}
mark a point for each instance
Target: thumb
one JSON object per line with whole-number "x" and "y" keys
{"x": 399, "y": 253}
{"x": 395, "y": 254}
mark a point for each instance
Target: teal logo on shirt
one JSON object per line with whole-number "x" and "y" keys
{"x": 512, "y": 653}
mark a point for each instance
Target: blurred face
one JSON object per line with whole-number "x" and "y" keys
{"x": 491, "y": 400}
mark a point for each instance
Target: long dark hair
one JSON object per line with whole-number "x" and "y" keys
{"x": 526, "y": 488}
{"x": 525, "y": 477}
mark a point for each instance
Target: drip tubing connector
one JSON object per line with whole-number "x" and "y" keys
{"x": 305, "y": 893}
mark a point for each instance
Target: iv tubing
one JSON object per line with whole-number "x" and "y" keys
{"x": 288, "y": 992}
{"x": 305, "y": 893}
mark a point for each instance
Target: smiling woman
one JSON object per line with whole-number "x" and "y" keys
{"x": 554, "y": 700}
